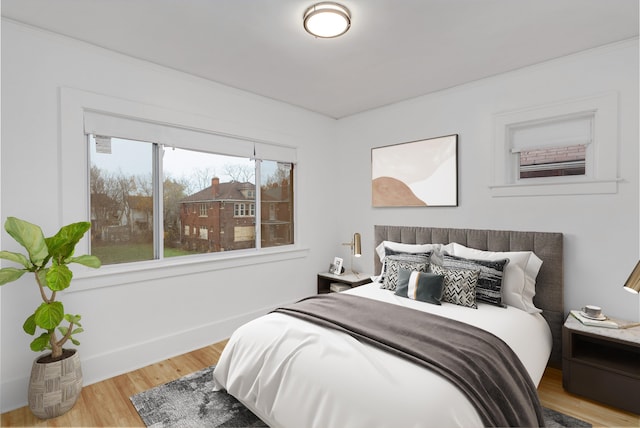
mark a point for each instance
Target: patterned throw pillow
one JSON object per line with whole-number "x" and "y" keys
{"x": 391, "y": 252}
{"x": 417, "y": 262}
{"x": 423, "y": 286}
{"x": 459, "y": 285}
{"x": 489, "y": 288}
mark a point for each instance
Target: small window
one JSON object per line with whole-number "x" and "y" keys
{"x": 552, "y": 162}
{"x": 554, "y": 149}
{"x": 551, "y": 147}
{"x": 244, "y": 233}
{"x": 203, "y": 210}
{"x": 242, "y": 209}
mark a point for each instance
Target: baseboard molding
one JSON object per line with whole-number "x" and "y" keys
{"x": 123, "y": 360}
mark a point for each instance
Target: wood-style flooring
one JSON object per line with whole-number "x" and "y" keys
{"x": 107, "y": 404}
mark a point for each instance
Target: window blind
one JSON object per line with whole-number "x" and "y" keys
{"x": 556, "y": 132}
{"x": 275, "y": 152}
{"x": 110, "y": 125}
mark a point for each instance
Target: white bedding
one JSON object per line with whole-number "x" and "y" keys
{"x": 295, "y": 374}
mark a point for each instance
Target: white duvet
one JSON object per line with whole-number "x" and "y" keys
{"x": 295, "y": 374}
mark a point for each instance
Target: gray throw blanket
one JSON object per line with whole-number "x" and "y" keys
{"x": 480, "y": 364}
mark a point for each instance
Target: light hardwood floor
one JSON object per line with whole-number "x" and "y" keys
{"x": 107, "y": 403}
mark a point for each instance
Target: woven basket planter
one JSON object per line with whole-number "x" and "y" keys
{"x": 54, "y": 387}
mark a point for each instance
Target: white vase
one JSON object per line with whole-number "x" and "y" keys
{"x": 54, "y": 387}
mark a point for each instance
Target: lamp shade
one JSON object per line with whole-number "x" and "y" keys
{"x": 357, "y": 245}
{"x": 327, "y": 20}
{"x": 633, "y": 282}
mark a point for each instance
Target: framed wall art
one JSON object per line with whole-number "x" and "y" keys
{"x": 420, "y": 173}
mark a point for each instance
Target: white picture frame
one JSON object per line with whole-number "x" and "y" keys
{"x": 336, "y": 266}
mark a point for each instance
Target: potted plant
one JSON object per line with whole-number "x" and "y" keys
{"x": 48, "y": 260}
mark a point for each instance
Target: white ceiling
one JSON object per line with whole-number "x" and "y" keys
{"x": 395, "y": 49}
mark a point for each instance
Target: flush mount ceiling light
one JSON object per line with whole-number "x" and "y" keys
{"x": 327, "y": 20}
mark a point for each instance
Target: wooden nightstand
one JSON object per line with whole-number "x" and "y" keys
{"x": 602, "y": 363}
{"x": 352, "y": 280}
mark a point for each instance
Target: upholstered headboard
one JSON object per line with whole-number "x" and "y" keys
{"x": 547, "y": 246}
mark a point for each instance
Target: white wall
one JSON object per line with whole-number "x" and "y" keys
{"x": 132, "y": 325}
{"x": 601, "y": 231}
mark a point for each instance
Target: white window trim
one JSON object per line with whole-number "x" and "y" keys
{"x": 74, "y": 190}
{"x": 129, "y": 273}
{"x": 602, "y": 156}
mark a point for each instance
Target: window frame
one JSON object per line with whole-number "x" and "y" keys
{"x": 601, "y": 157}
{"x": 73, "y": 181}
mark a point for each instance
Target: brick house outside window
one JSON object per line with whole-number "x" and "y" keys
{"x": 230, "y": 220}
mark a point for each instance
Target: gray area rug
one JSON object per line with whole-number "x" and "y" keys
{"x": 191, "y": 402}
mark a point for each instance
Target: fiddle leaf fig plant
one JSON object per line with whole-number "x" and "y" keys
{"x": 48, "y": 260}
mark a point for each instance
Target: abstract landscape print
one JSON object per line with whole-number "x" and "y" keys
{"x": 416, "y": 174}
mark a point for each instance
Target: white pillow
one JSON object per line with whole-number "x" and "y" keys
{"x": 519, "y": 279}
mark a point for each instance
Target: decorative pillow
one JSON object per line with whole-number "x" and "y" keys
{"x": 398, "y": 247}
{"x": 519, "y": 277}
{"x": 426, "y": 287}
{"x": 396, "y": 262}
{"x": 459, "y": 285}
{"x": 388, "y": 248}
{"x": 489, "y": 288}
{"x": 437, "y": 257}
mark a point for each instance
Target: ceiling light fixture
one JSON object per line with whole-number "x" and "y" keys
{"x": 327, "y": 20}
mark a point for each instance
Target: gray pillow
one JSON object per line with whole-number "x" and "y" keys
{"x": 423, "y": 286}
{"x": 389, "y": 252}
{"x": 489, "y": 287}
{"x": 417, "y": 262}
{"x": 459, "y": 285}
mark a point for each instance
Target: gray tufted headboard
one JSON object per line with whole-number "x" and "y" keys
{"x": 547, "y": 246}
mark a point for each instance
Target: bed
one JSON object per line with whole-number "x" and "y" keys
{"x": 296, "y": 371}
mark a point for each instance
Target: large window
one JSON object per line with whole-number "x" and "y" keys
{"x": 150, "y": 201}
